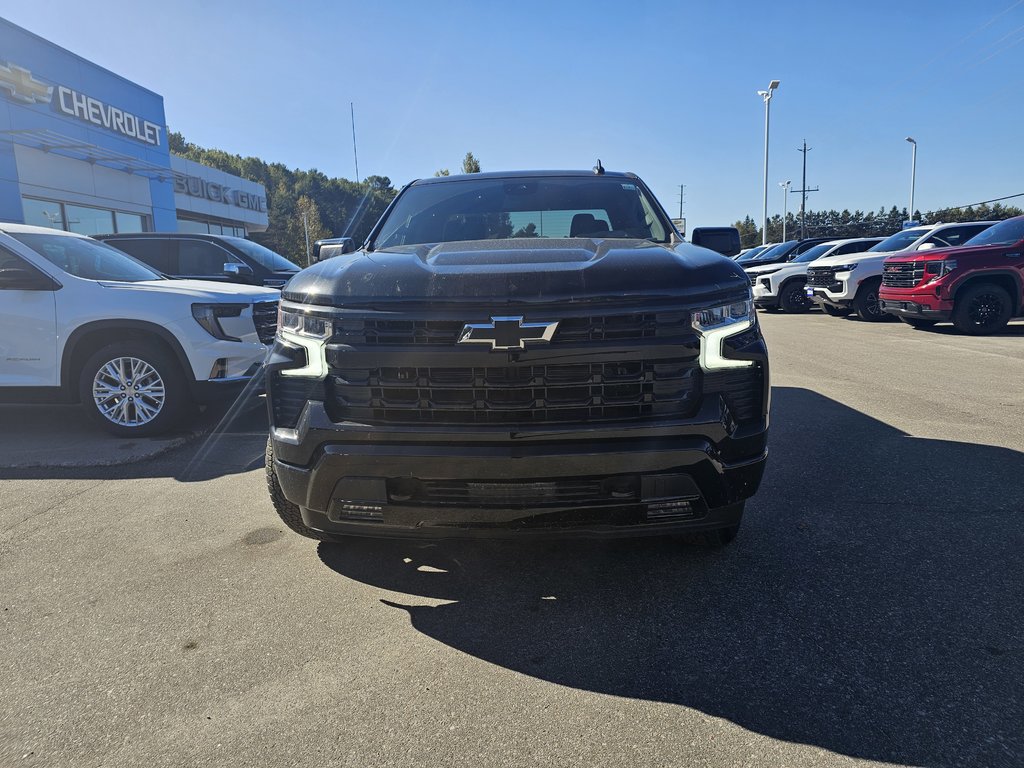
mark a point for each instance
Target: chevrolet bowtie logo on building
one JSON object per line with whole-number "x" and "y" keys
{"x": 20, "y": 84}
{"x": 504, "y": 333}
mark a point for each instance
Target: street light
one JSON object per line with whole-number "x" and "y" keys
{"x": 767, "y": 96}
{"x": 785, "y": 200}
{"x": 913, "y": 176}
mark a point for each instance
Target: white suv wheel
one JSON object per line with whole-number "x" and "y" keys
{"x": 128, "y": 391}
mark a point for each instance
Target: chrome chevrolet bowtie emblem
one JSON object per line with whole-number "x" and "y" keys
{"x": 20, "y": 84}
{"x": 504, "y": 333}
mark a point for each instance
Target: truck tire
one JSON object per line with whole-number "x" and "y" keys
{"x": 288, "y": 512}
{"x": 917, "y": 322}
{"x": 832, "y": 311}
{"x": 793, "y": 297}
{"x": 865, "y": 303}
{"x": 981, "y": 309}
{"x": 134, "y": 389}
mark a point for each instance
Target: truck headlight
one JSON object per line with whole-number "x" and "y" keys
{"x": 207, "y": 316}
{"x": 937, "y": 269}
{"x": 716, "y": 324}
{"x": 845, "y": 267}
{"x": 301, "y": 324}
{"x": 309, "y": 332}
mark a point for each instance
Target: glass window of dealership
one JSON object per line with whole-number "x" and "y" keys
{"x": 84, "y": 150}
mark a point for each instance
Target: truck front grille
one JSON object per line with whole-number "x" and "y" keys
{"x": 823, "y": 277}
{"x": 903, "y": 274}
{"x": 571, "y": 330}
{"x": 264, "y": 317}
{"x": 526, "y": 395}
{"x": 515, "y": 494}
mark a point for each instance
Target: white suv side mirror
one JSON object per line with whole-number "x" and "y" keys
{"x": 926, "y": 246}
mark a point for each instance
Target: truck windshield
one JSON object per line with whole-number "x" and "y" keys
{"x": 1004, "y": 233}
{"x": 498, "y": 208}
{"x": 899, "y": 241}
{"x": 85, "y": 258}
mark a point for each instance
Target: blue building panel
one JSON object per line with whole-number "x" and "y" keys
{"x": 73, "y": 133}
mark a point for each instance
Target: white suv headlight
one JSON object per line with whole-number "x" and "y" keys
{"x": 845, "y": 267}
{"x": 716, "y": 324}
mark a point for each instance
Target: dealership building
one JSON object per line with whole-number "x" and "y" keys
{"x": 85, "y": 150}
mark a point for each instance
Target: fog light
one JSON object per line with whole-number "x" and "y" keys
{"x": 679, "y": 509}
{"x": 351, "y": 511}
{"x": 220, "y": 368}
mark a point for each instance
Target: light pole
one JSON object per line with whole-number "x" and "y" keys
{"x": 767, "y": 96}
{"x": 913, "y": 177}
{"x": 785, "y": 200}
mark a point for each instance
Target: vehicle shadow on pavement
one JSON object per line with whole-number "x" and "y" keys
{"x": 870, "y": 606}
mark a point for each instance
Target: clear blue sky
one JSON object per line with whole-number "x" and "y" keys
{"x": 666, "y": 89}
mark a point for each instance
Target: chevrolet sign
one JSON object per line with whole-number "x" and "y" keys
{"x": 22, "y": 87}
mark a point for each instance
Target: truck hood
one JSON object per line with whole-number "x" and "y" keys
{"x": 953, "y": 252}
{"x": 202, "y": 290}
{"x": 520, "y": 271}
{"x": 760, "y": 269}
{"x": 852, "y": 258}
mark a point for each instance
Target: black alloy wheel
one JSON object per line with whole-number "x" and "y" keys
{"x": 982, "y": 309}
{"x": 793, "y": 297}
{"x": 865, "y": 303}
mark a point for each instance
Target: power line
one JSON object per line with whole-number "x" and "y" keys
{"x": 983, "y": 202}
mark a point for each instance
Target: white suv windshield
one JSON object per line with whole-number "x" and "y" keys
{"x": 87, "y": 258}
{"x": 900, "y": 240}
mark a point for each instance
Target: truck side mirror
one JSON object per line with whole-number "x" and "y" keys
{"x": 239, "y": 272}
{"x": 724, "y": 240}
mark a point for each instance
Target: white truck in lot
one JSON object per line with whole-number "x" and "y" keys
{"x": 850, "y": 282}
{"x": 83, "y": 322}
{"x": 782, "y": 285}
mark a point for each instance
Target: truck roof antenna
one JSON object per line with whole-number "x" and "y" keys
{"x": 599, "y": 169}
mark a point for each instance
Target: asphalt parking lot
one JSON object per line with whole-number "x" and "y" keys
{"x": 155, "y": 613}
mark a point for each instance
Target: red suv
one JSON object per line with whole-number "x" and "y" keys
{"x": 979, "y": 286}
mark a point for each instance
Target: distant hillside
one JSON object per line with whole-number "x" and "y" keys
{"x": 333, "y": 207}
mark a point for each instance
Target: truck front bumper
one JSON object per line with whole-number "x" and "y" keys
{"x": 923, "y": 305}
{"x": 679, "y": 477}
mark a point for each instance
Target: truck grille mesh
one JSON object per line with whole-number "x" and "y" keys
{"x": 903, "y": 274}
{"x": 516, "y": 494}
{"x": 415, "y": 332}
{"x": 525, "y": 395}
{"x": 821, "y": 277}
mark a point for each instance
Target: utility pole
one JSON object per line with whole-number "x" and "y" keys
{"x": 355, "y": 154}
{"x": 785, "y": 200}
{"x": 803, "y": 191}
{"x": 305, "y": 226}
{"x": 682, "y": 192}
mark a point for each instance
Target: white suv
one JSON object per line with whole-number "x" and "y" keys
{"x": 841, "y": 284}
{"x": 81, "y": 321}
{"x": 781, "y": 286}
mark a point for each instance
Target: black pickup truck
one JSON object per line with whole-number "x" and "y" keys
{"x": 517, "y": 354}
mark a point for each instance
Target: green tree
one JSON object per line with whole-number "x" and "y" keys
{"x": 345, "y": 208}
{"x": 442, "y": 172}
{"x": 470, "y": 164}
{"x": 307, "y": 222}
{"x": 530, "y": 230}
